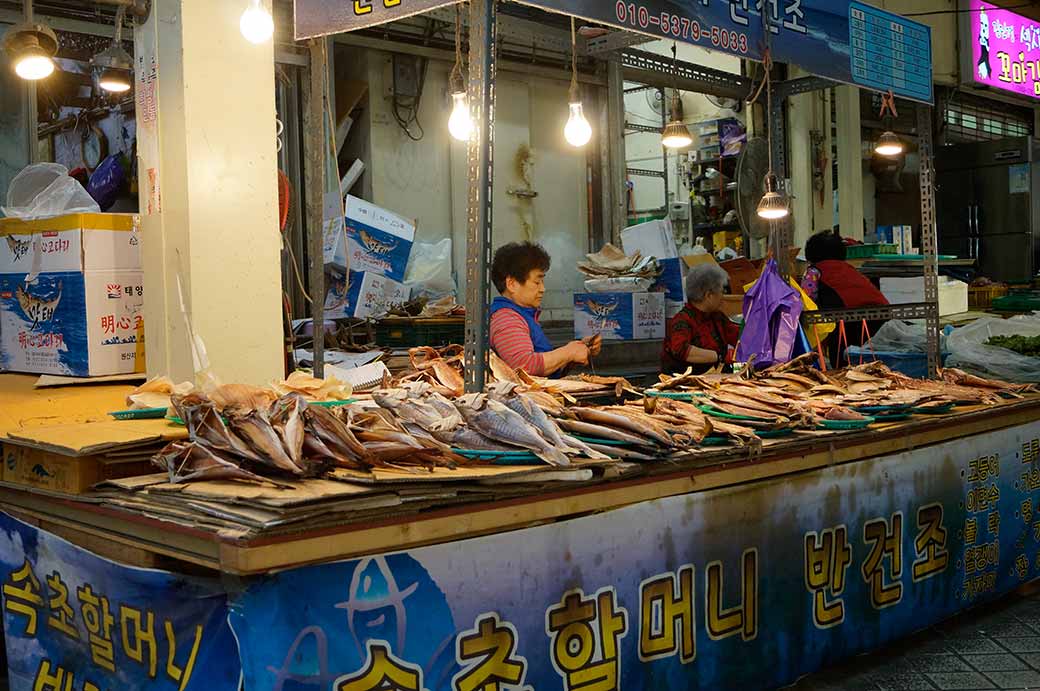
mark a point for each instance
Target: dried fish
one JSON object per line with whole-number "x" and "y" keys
{"x": 619, "y": 417}
{"x": 414, "y": 410}
{"x": 336, "y": 435}
{"x": 595, "y": 431}
{"x": 193, "y": 462}
{"x": 255, "y": 429}
{"x": 287, "y": 420}
{"x": 241, "y": 397}
{"x": 496, "y": 421}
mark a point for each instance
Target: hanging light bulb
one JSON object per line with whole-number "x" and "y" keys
{"x": 890, "y": 145}
{"x": 256, "y": 23}
{"x": 578, "y": 131}
{"x": 460, "y": 124}
{"x": 31, "y": 48}
{"x": 115, "y": 64}
{"x": 676, "y": 134}
{"x": 773, "y": 205}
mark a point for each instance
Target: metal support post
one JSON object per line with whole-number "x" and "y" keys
{"x": 664, "y": 149}
{"x": 481, "y": 94}
{"x": 616, "y": 149}
{"x": 315, "y": 145}
{"x": 929, "y": 240}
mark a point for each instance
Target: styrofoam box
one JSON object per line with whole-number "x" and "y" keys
{"x": 619, "y": 316}
{"x": 653, "y": 239}
{"x": 953, "y": 295}
{"x": 367, "y": 295}
{"x": 375, "y": 240}
{"x": 71, "y": 295}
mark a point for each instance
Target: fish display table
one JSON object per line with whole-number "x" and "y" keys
{"x": 673, "y": 575}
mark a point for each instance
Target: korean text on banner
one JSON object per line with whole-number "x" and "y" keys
{"x": 315, "y": 18}
{"x": 73, "y": 620}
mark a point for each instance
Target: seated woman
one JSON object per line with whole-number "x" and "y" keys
{"x": 518, "y": 272}
{"x": 833, "y": 283}
{"x": 700, "y": 337}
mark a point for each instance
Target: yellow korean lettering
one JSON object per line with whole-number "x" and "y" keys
{"x": 138, "y": 632}
{"x": 52, "y": 680}
{"x": 993, "y": 523}
{"x": 932, "y": 556}
{"x": 667, "y": 615}
{"x": 61, "y": 615}
{"x": 391, "y": 3}
{"x": 575, "y": 642}
{"x": 488, "y": 656}
{"x": 22, "y": 596}
{"x": 97, "y": 617}
{"x": 178, "y": 674}
{"x": 885, "y": 541}
{"x": 827, "y": 559}
{"x": 1026, "y": 511}
{"x": 1022, "y": 566}
{"x": 742, "y": 618}
{"x": 382, "y": 671}
{"x": 362, "y": 7}
{"x": 971, "y": 531}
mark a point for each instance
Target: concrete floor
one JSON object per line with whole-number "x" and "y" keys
{"x": 993, "y": 647}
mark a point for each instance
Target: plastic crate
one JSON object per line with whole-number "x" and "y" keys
{"x": 981, "y": 298}
{"x": 408, "y": 333}
{"x": 1018, "y": 302}
{"x": 911, "y": 364}
{"x": 869, "y": 251}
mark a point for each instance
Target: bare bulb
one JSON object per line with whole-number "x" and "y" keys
{"x": 34, "y": 65}
{"x": 578, "y": 131}
{"x": 256, "y": 23}
{"x": 890, "y": 145}
{"x": 460, "y": 124}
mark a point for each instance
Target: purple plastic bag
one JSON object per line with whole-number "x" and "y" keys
{"x": 772, "y": 309}
{"x": 106, "y": 181}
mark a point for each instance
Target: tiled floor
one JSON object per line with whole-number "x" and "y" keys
{"x": 995, "y": 647}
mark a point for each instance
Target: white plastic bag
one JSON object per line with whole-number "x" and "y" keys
{"x": 968, "y": 349}
{"x": 45, "y": 190}
{"x": 429, "y": 270}
{"x": 897, "y": 336}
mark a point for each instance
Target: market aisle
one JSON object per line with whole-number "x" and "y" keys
{"x": 994, "y": 647}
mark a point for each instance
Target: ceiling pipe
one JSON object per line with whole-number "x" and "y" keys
{"x": 138, "y": 8}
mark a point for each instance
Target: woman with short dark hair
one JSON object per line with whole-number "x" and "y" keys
{"x": 700, "y": 336}
{"x": 518, "y": 272}
{"x": 833, "y": 283}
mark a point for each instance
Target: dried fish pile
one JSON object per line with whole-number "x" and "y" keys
{"x": 612, "y": 262}
{"x": 443, "y": 371}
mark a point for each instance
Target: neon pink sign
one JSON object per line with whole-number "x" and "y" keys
{"x": 1005, "y": 49}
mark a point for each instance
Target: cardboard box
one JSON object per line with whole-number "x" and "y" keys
{"x": 953, "y": 295}
{"x": 54, "y": 472}
{"x": 77, "y": 242}
{"x": 619, "y": 316}
{"x": 366, "y": 295}
{"x": 71, "y": 295}
{"x": 692, "y": 260}
{"x": 653, "y": 239}
{"x": 670, "y": 282}
{"x": 377, "y": 241}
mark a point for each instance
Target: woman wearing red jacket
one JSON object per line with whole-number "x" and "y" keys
{"x": 833, "y": 283}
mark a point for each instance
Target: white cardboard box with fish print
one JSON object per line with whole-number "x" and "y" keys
{"x": 76, "y": 242}
{"x": 71, "y": 295}
{"x": 73, "y": 323}
{"x": 377, "y": 241}
{"x": 619, "y": 316}
{"x": 368, "y": 295}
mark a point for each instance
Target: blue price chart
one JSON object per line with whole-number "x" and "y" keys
{"x": 890, "y": 52}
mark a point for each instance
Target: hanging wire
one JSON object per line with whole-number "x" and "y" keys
{"x": 574, "y": 61}
{"x": 456, "y": 80}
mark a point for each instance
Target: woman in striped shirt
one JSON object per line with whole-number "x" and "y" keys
{"x": 518, "y": 272}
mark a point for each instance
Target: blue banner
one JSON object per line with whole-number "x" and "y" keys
{"x": 75, "y": 621}
{"x": 839, "y": 39}
{"x": 680, "y": 593}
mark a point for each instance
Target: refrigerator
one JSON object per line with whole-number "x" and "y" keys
{"x": 988, "y": 206}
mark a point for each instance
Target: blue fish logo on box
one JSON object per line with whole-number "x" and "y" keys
{"x": 378, "y": 241}
{"x": 43, "y": 324}
{"x": 39, "y": 307}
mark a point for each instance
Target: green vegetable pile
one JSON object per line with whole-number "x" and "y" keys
{"x": 1024, "y": 345}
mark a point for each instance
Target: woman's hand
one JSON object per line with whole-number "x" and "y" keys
{"x": 578, "y": 352}
{"x": 594, "y": 344}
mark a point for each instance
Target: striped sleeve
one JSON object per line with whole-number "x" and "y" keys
{"x": 511, "y": 340}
